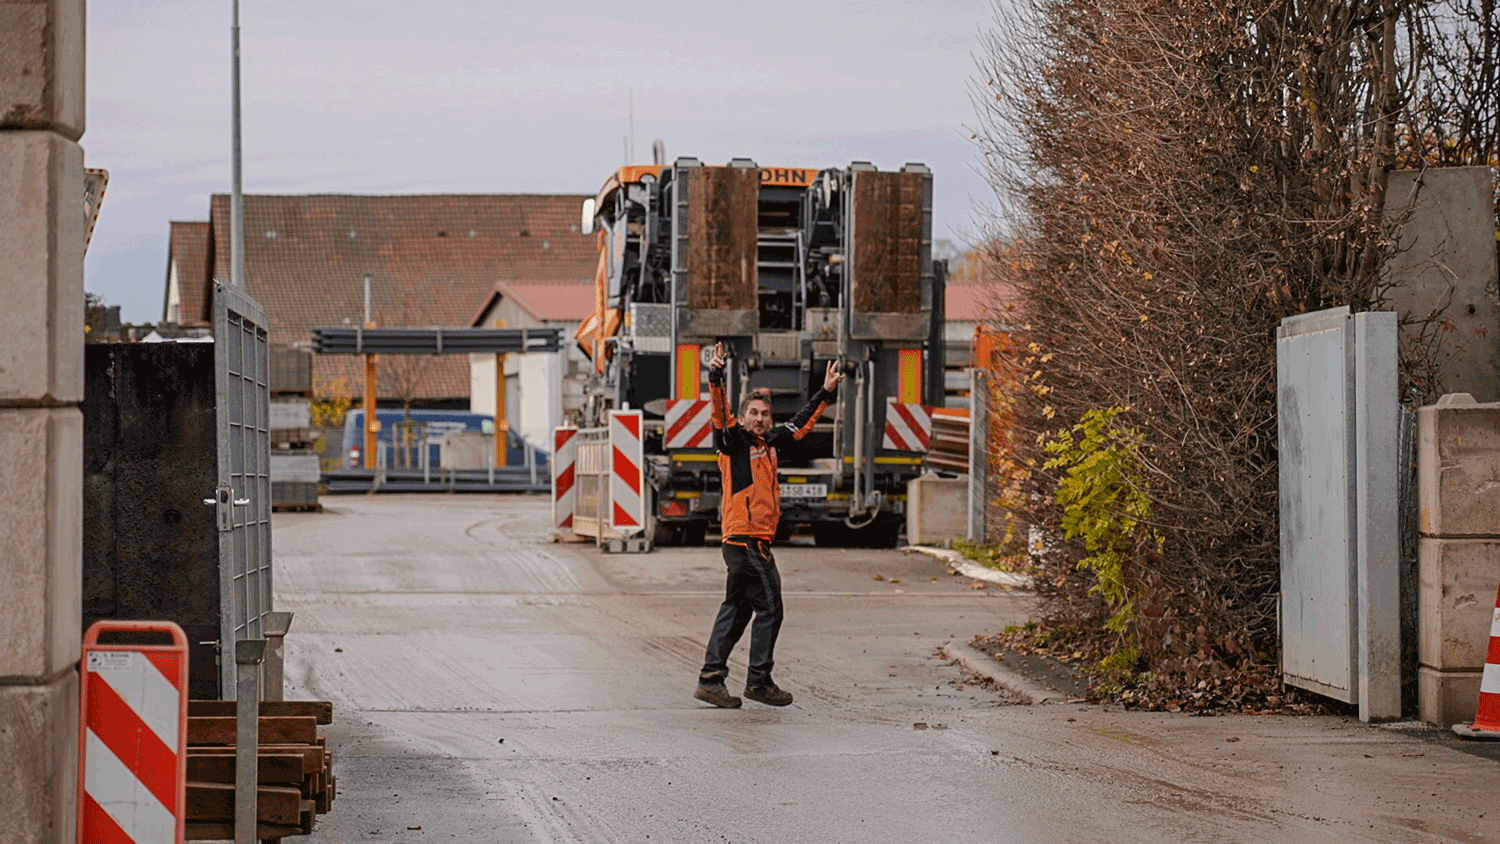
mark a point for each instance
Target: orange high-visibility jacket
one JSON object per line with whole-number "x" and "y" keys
{"x": 751, "y": 502}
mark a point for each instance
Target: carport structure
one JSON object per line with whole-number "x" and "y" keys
{"x": 373, "y": 342}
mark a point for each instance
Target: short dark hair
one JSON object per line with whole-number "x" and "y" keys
{"x": 757, "y": 395}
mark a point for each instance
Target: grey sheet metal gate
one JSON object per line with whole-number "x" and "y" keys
{"x": 242, "y": 367}
{"x": 1338, "y": 416}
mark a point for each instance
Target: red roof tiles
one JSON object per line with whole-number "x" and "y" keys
{"x": 545, "y": 302}
{"x": 432, "y": 260}
{"x": 189, "y": 252}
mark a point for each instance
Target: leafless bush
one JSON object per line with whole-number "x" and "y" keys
{"x": 1177, "y": 177}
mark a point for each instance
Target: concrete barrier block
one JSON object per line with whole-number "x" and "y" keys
{"x": 39, "y": 741}
{"x": 41, "y": 267}
{"x": 1446, "y": 698}
{"x": 1456, "y": 585}
{"x": 41, "y": 541}
{"x": 466, "y": 450}
{"x": 42, "y": 67}
{"x": 937, "y": 509}
{"x": 1458, "y": 467}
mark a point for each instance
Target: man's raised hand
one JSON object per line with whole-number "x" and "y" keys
{"x": 717, "y": 362}
{"x": 834, "y": 376}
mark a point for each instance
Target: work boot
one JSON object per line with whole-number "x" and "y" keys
{"x": 716, "y": 694}
{"x": 768, "y": 694}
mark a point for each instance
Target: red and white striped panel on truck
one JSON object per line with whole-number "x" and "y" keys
{"x": 908, "y": 427}
{"x": 564, "y": 494}
{"x": 132, "y": 746}
{"x": 627, "y": 489}
{"x": 689, "y": 424}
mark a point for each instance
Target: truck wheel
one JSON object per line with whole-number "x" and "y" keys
{"x": 881, "y": 533}
{"x": 666, "y": 535}
{"x": 830, "y": 534}
{"x": 694, "y": 533}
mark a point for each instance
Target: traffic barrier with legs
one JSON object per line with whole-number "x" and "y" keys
{"x": 132, "y": 743}
{"x": 627, "y": 482}
{"x": 564, "y": 493}
{"x": 610, "y": 488}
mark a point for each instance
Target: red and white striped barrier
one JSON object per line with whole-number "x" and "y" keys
{"x": 132, "y": 747}
{"x": 908, "y": 427}
{"x": 1486, "y": 723}
{"x": 689, "y": 424}
{"x": 564, "y": 493}
{"x": 627, "y": 514}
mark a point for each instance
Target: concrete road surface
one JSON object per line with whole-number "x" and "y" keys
{"x": 492, "y": 686}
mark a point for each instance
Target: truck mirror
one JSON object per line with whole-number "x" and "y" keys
{"x": 586, "y": 223}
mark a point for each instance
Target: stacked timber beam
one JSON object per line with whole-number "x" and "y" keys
{"x": 948, "y": 450}
{"x": 295, "y": 771}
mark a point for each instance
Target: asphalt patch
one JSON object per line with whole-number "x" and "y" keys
{"x": 1044, "y": 670}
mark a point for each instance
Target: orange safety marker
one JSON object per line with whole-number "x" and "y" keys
{"x": 132, "y": 745}
{"x": 1486, "y": 723}
{"x": 688, "y": 383}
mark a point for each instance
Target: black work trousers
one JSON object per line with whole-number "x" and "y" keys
{"x": 753, "y": 587}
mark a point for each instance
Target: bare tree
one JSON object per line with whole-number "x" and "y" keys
{"x": 1179, "y": 177}
{"x": 404, "y": 376}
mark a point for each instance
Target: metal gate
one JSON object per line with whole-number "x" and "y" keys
{"x": 242, "y": 366}
{"x": 1338, "y": 416}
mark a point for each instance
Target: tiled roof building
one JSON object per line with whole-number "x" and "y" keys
{"x": 187, "y": 271}
{"x": 432, "y": 261}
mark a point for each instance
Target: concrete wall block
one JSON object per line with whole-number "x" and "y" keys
{"x": 41, "y": 541}
{"x": 1456, "y": 586}
{"x": 39, "y": 741}
{"x": 41, "y": 268}
{"x": 1444, "y": 261}
{"x": 937, "y": 509}
{"x": 1446, "y": 698}
{"x": 41, "y": 66}
{"x": 1458, "y": 467}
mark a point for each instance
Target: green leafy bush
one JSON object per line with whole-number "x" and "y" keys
{"x": 1103, "y": 498}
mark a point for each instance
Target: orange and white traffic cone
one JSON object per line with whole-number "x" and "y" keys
{"x": 1486, "y": 723}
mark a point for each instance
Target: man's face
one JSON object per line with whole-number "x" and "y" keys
{"x": 757, "y": 418}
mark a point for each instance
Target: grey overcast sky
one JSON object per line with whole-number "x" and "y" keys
{"x": 498, "y": 96}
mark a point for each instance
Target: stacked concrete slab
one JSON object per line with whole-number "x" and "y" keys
{"x": 1458, "y": 484}
{"x": 41, "y": 384}
{"x": 295, "y": 470}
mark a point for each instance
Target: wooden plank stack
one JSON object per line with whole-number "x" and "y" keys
{"x": 295, "y": 771}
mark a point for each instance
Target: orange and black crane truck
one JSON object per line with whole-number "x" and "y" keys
{"x": 788, "y": 268}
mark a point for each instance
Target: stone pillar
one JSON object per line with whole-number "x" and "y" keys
{"x": 41, "y": 382}
{"x": 1458, "y": 568}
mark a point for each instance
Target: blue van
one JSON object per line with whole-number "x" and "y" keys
{"x": 428, "y": 426}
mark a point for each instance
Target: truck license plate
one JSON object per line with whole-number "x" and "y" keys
{"x": 804, "y": 490}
